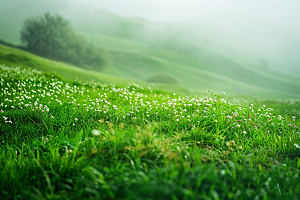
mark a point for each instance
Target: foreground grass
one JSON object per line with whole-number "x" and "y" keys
{"x": 71, "y": 140}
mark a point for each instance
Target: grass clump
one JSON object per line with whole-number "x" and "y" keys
{"x": 87, "y": 140}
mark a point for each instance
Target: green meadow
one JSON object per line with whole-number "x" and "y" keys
{"x": 168, "y": 118}
{"x": 87, "y": 140}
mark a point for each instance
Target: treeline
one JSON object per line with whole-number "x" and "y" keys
{"x": 52, "y": 36}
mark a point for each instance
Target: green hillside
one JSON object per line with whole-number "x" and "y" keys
{"x": 15, "y": 57}
{"x": 140, "y": 49}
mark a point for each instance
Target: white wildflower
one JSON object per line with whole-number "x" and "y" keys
{"x": 96, "y": 132}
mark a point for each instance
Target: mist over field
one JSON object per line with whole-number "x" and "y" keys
{"x": 255, "y": 29}
{"x": 241, "y": 47}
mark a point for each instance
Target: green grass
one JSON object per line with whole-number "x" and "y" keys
{"x": 15, "y": 57}
{"x": 87, "y": 140}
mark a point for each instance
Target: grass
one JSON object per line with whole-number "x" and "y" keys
{"x": 16, "y": 57}
{"x": 86, "y": 140}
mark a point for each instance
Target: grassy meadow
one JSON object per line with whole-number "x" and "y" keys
{"x": 73, "y": 139}
{"x": 19, "y": 58}
{"x": 169, "y": 119}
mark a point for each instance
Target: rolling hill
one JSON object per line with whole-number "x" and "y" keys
{"x": 141, "y": 48}
{"x": 13, "y": 57}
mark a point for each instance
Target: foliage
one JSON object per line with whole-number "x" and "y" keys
{"x": 52, "y": 36}
{"x": 87, "y": 140}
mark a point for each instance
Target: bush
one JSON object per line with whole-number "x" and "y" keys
{"x": 164, "y": 78}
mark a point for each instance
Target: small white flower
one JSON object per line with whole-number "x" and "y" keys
{"x": 96, "y": 132}
{"x": 244, "y": 132}
{"x": 297, "y": 146}
{"x": 76, "y": 119}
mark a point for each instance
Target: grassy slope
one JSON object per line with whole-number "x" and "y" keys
{"x": 205, "y": 71}
{"x": 15, "y": 57}
{"x": 141, "y": 48}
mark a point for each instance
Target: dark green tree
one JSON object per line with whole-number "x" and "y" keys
{"x": 52, "y": 36}
{"x": 42, "y": 34}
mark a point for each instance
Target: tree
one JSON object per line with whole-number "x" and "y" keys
{"x": 42, "y": 34}
{"x": 52, "y": 36}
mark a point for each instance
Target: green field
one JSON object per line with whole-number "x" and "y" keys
{"x": 18, "y": 58}
{"x": 86, "y": 140}
{"x": 15, "y": 57}
{"x": 223, "y": 128}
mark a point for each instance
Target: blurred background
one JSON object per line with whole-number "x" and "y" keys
{"x": 240, "y": 47}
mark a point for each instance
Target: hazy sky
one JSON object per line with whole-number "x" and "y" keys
{"x": 269, "y": 28}
{"x": 196, "y": 10}
{"x": 259, "y": 28}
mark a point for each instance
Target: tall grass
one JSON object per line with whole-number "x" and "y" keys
{"x": 71, "y": 140}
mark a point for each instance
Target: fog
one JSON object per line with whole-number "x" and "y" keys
{"x": 254, "y": 29}
{"x": 197, "y": 10}
{"x": 237, "y": 46}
